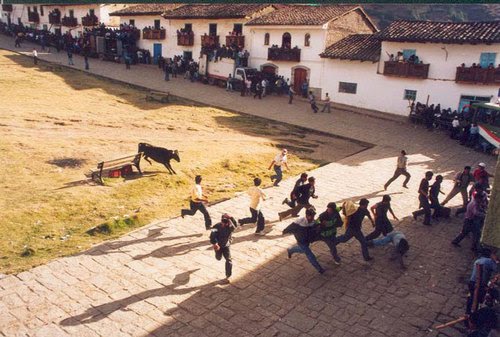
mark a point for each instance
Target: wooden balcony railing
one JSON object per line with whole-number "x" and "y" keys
{"x": 185, "y": 39}
{"x": 405, "y": 69}
{"x": 209, "y": 41}
{"x": 69, "y": 21}
{"x": 55, "y": 18}
{"x": 478, "y": 75}
{"x": 33, "y": 17}
{"x": 232, "y": 40}
{"x": 90, "y": 20}
{"x": 154, "y": 34}
{"x": 283, "y": 54}
{"x": 7, "y": 8}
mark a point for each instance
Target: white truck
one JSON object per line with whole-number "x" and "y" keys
{"x": 218, "y": 72}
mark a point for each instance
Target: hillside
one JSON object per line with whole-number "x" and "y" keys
{"x": 384, "y": 14}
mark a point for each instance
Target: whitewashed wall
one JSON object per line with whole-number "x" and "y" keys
{"x": 309, "y": 56}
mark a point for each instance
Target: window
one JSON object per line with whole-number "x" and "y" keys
{"x": 408, "y": 52}
{"x": 486, "y": 59}
{"x": 238, "y": 28}
{"x": 35, "y": 9}
{"x": 307, "y": 40}
{"x": 188, "y": 55}
{"x": 212, "y": 29}
{"x": 71, "y": 13}
{"x": 131, "y": 22}
{"x": 188, "y": 27}
{"x": 348, "y": 88}
{"x": 286, "y": 41}
{"x": 157, "y": 24}
{"x": 410, "y": 95}
{"x": 266, "y": 39}
{"x": 41, "y": 10}
{"x": 91, "y": 12}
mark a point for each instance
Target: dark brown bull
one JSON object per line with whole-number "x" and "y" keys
{"x": 159, "y": 155}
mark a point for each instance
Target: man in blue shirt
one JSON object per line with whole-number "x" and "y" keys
{"x": 400, "y": 243}
{"x": 484, "y": 268}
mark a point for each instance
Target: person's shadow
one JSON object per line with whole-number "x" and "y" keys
{"x": 97, "y": 313}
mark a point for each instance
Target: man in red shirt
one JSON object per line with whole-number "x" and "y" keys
{"x": 481, "y": 176}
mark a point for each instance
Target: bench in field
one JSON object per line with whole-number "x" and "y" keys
{"x": 162, "y": 97}
{"x": 115, "y": 165}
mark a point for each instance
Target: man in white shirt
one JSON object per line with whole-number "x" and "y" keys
{"x": 256, "y": 197}
{"x": 279, "y": 160}
{"x": 327, "y": 105}
{"x": 400, "y": 170}
{"x": 35, "y": 56}
{"x": 196, "y": 203}
{"x": 264, "y": 85}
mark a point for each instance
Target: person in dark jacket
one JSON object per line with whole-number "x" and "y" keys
{"x": 423, "y": 198}
{"x": 292, "y": 202}
{"x": 302, "y": 229}
{"x": 382, "y": 224}
{"x": 304, "y": 193}
{"x": 220, "y": 238}
{"x": 434, "y": 192}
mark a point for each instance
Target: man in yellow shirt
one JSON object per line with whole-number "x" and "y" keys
{"x": 256, "y": 197}
{"x": 197, "y": 203}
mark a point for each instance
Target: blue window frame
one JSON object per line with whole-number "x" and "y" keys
{"x": 408, "y": 52}
{"x": 486, "y": 59}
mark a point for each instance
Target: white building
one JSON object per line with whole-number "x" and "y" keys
{"x": 288, "y": 41}
{"x": 360, "y": 74}
{"x": 168, "y": 20}
{"x": 60, "y": 18}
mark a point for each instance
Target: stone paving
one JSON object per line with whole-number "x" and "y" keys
{"x": 163, "y": 279}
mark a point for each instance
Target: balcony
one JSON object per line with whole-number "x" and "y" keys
{"x": 154, "y": 34}
{"x": 185, "y": 39}
{"x": 478, "y": 75}
{"x": 209, "y": 41}
{"x": 33, "y": 17}
{"x": 283, "y": 54}
{"x": 233, "y": 40}
{"x": 405, "y": 69}
{"x": 90, "y": 21}
{"x": 7, "y": 8}
{"x": 69, "y": 21}
{"x": 55, "y": 18}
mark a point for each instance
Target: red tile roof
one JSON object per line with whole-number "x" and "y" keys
{"x": 360, "y": 47}
{"x": 145, "y": 9}
{"x": 303, "y": 15}
{"x": 442, "y": 32}
{"x": 214, "y": 11}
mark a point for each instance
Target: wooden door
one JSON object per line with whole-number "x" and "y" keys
{"x": 299, "y": 77}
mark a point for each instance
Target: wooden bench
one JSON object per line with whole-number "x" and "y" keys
{"x": 115, "y": 164}
{"x": 157, "y": 96}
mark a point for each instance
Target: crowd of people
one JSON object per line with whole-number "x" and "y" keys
{"x": 461, "y": 125}
{"x": 413, "y": 59}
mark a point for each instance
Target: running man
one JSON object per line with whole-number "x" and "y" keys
{"x": 197, "y": 203}
{"x": 400, "y": 170}
{"x": 279, "y": 161}
{"x": 256, "y": 197}
{"x": 220, "y": 238}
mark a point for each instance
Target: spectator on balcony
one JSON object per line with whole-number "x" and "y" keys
{"x": 400, "y": 57}
{"x": 391, "y": 57}
{"x": 462, "y": 65}
{"x": 491, "y": 66}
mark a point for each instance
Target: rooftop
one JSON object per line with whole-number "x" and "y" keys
{"x": 303, "y": 15}
{"x": 214, "y": 11}
{"x": 145, "y": 9}
{"x": 442, "y": 32}
{"x": 360, "y": 47}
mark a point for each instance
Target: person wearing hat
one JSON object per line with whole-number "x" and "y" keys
{"x": 303, "y": 232}
{"x": 221, "y": 236}
{"x": 328, "y": 222}
{"x": 382, "y": 223}
{"x": 353, "y": 223}
{"x": 279, "y": 161}
{"x": 304, "y": 192}
{"x": 462, "y": 181}
{"x": 256, "y": 197}
{"x": 481, "y": 176}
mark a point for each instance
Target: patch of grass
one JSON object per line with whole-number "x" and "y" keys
{"x": 115, "y": 226}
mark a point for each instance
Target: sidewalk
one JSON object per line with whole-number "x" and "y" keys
{"x": 163, "y": 279}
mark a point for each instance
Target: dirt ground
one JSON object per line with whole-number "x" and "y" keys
{"x": 57, "y": 123}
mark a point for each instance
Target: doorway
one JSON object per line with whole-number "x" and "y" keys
{"x": 156, "y": 52}
{"x": 212, "y": 29}
{"x": 299, "y": 77}
{"x": 188, "y": 55}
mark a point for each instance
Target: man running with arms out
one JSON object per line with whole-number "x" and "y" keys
{"x": 462, "y": 181}
{"x": 400, "y": 170}
{"x": 196, "y": 203}
{"x": 220, "y": 238}
{"x": 277, "y": 163}
{"x": 382, "y": 224}
{"x": 256, "y": 197}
